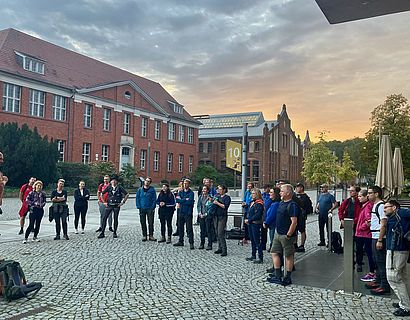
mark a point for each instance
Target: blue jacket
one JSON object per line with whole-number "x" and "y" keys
{"x": 267, "y": 201}
{"x": 186, "y": 200}
{"x": 247, "y": 198}
{"x": 270, "y": 219}
{"x": 255, "y": 212}
{"x": 146, "y": 199}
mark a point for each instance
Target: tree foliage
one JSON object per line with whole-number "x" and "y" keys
{"x": 73, "y": 173}
{"x": 204, "y": 171}
{"x": 27, "y": 154}
{"x": 346, "y": 171}
{"x": 128, "y": 175}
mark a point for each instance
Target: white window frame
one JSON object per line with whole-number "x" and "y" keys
{"x": 181, "y": 163}
{"x": 61, "y": 150}
{"x": 105, "y": 152}
{"x": 156, "y": 161}
{"x": 191, "y": 164}
{"x": 144, "y": 126}
{"x": 86, "y": 155}
{"x": 143, "y": 159}
{"x": 127, "y": 121}
{"x": 11, "y": 97}
{"x": 190, "y": 135}
{"x": 106, "y": 119}
{"x": 171, "y": 131}
{"x": 169, "y": 162}
{"x": 31, "y": 64}
{"x": 88, "y": 110}
{"x": 181, "y": 133}
{"x": 59, "y": 108}
{"x": 36, "y": 103}
{"x": 157, "y": 132}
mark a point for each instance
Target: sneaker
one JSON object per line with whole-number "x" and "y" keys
{"x": 395, "y": 305}
{"x": 175, "y": 234}
{"x": 300, "y": 249}
{"x": 178, "y": 244}
{"x": 101, "y": 235}
{"x": 35, "y": 239}
{"x": 379, "y": 291}
{"x": 258, "y": 261}
{"x": 191, "y": 246}
{"x": 76, "y": 231}
{"x": 168, "y": 240}
{"x": 224, "y": 254}
{"x": 401, "y": 312}
{"x": 66, "y": 237}
{"x": 321, "y": 244}
{"x": 82, "y": 231}
{"x": 57, "y": 238}
{"x": 372, "y": 285}
{"x": 208, "y": 248}
{"x": 161, "y": 240}
{"x": 21, "y": 231}
{"x": 274, "y": 280}
{"x": 98, "y": 230}
{"x": 115, "y": 235}
{"x": 369, "y": 277}
{"x": 286, "y": 281}
{"x": 202, "y": 246}
{"x": 151, "y": 238}
{"x": 218, "y": 251}
{"x": 144, "y": 239}
{"x": 250, "y": 258}
{"x": 25, "y": 241}
{"x": 111, "y": 229}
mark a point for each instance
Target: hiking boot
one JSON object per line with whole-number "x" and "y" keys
{"x": 57, "y": 238}
{"x": 98, "y": 230}
{"x": 258, "y": 261}
{"x": 274, "y": 279}
{"x": 161, "y": 240}
{"x": 321, "y": 244}
{"x": 372, "y": 285}
{"x": 144, "y": 239}
{"x": 115, "y": 235}
{"x": 178, "y": 244}
{"x": 21, "y": 231}
{"x": 250, "y": 259}
{"x": 202, "y": 246}
{"x": 379, "y": 291}
{"x": 218, "y": 251}
{"x": 286, "y": 281}
{"x": 191, "y": 246}
{"x": 25, "y": 241}
{"x": 369, "y": 277}
{"x": 169, "y": 240}
{"x": 111, "y": 229}
{"x": 300, "y": 249}
{"x": 101, "y": 235}
{"x": 401, "y": 312}
{"x": 224, "y": 254}
{"x": 151, "y": 238}
{"x": 66, "y": 237}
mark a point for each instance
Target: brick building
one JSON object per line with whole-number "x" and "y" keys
{"x": 94, "y": 110}
{"x": 275, "y": 152}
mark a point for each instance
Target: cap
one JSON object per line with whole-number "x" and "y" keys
{"x": 299, "y": 184}
{"x": 324, "y": 185}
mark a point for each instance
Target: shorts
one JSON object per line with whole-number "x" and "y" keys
{"x": 281, "y": 245}
{"x": 24, "y": 210}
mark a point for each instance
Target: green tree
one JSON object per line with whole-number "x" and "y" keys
{"x": 27, "y": 154}
{"x": 73, "y": 173}
{"x": 204, "y": 171}
{"x": 128, "y": 175}
{"x": 99, "y": 169}
{"x": 346, "y": 171}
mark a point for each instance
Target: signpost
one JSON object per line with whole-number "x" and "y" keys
{"x": 233, "y": 155}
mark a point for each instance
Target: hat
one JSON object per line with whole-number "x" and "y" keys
{"x": 114, "y": 177}
{"x": 299, "y": 184}
{"x": 324, "y": 185}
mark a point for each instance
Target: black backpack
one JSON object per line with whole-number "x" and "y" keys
{"x": 13, "y": 283}
{"x": 336, "y": 243}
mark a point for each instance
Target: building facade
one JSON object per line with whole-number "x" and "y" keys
{"x": 274, "y": 151}
{"x": 95, "y": 111}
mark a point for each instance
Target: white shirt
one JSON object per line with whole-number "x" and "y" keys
{"x": 375, "y": 224}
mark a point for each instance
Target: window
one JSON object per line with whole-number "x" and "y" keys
{"x": 191, "y": 164}
{"x": 256, "y": 146}
{"x": 169, "y": 162}
{"x": 88, "y": 108}
{"x": 157, "y": 130}
{"x": 209, "y": 147}
{"x": 127, "y": 95}
{"x": 144, "y": 124}
{"x": 127, "y": 120}
{"x": 190, "y": 135}
{"x": 30, "y": 64}
{"x": 86, "y": 152}
{"x": 61, "y": 150}
{"x": 180, "y": 163}
{"x": 11, "y": 97}
{"x": 284, "y": 140}
{"x": 143, "y": 159}
{"x": 104, "y": 152}
{"x": 201, "y": 147}
{"x": 223, "y": 146}
{"x": 36, "y": 103}
{"x": 176, "y": 107}
{"x": 181, "y": 134}
{"x": 171, "y": 131}
{"x": 156, "y": 160}
{"x": 106, "y": 119}
{"x": 59, "y": 108}
{"x": 255, "y": 170}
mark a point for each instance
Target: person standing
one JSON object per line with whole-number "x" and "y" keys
{"x": 117, "y": 196}
{"x": 185, "y": 198}
{"x": 204, "y": 202}
{"x": 60, "y": 209}
{"x": 146, "y": 201}
{"x": 24, "y": 191}
{"x": 254, "y": 219}
{"x": 81, "y": 197}
{"x": 246, "y": 201}
{"x": 398, "y": 251}
{"x": 325, "y": 205}
{"x": 306, "y": 208}
{"x": 36, "y": 200}
{"x": 101, "y": 206}
{"x": 350, "y": 208}
{"x": 175, "y": 192}
{"x": 222, "y": 201}
{"x": 166, "y": 203}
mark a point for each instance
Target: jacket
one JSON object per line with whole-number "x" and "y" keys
{"x": 255, "y": 212}
{"x": 185, "y": 198}
{"x": 146, "y": 199}
{"x": 81, "y": 200}
{"x": 344, "y": 210}
{"x": 362, "y": 227}
{"x": 270, "y": 218}
{"x": 169, "y": 201}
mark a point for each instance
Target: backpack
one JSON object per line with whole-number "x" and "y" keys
{"x": 376, "y": 212}
{"x": 336, "y": 242}
{"x": 13, "y": 283}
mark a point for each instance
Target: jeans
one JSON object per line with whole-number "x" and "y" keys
{"x": 35, "y": 220}
{"x": 271, "y": 236}
{"x": 255, "y": 233}
{"x": 379, "y": 257}
{"x": 102, "y": 208}
{"x": 367, "y": 244}
{"x": 182, "y": 221}
{"x": 108, "y": 212}
{"x": 397, "y": 276}
{"x": 220, "y": 227}
{"x": 165, "y": 218}
{"x": 80, "y": 210}
{"x": 322, "y": 224}
{"x": 147, "y": 214}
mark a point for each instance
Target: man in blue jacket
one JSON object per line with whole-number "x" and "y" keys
{"x": 186, "y": 200}
{"x": 146, "y": 201}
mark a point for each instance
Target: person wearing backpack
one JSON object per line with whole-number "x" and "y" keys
{"x": 380, "y": 285}
{"x": 398, "y": 251}
{"x": 306, "y": 208}
{"x": 254, "y": 219}
{"x": 36, "y": 200}
{"x": 24, "y": 191}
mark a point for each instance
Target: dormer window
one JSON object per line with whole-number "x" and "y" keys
{"x": 127, "y": 95}
{"x": 176, "y": 107}
{"x": 30, "y": 63}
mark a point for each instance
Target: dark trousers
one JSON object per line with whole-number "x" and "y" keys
{"x": 220, "y": 227}
{"x": 207, "y": 228}
{"x": 80, "y": 210}
{"x": 246, "y": 228}
{"x": 255, "y": 233}
{"x": 36, "y": 214}
{"x": 264, "y": 238}
{"x": 60, "y": 218}
{"x": 322, "y": 225}
{"x": 147, "y": 214}
{"x": 379, "y": 257}
{"x": 115, "y": 211}
{"x": 203, "y": 230}
{"x": 182, "y": 221}
{"x": 366, "y": 244}
{"x": 165, "y": 218}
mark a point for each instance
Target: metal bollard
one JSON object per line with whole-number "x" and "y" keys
{"x": 348, "y": 256}
{"x": 329, "y": 231}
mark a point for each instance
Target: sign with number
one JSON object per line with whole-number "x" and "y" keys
{"x": 234, "y": 155}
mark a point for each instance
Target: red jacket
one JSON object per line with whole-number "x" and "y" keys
{"x": 363, "y": 228}
{"x": 343, "y": 209}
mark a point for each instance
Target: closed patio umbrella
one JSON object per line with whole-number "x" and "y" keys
{"x": 384, "y": 175}
{"x": 398, "y": 174}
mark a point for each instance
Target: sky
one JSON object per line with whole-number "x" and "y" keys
{"x": 226, "y": 56}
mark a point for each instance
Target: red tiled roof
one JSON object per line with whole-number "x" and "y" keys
{"x": 72, "y": 70}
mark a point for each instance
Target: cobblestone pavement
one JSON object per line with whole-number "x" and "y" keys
{"x": 124, "y": 278}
